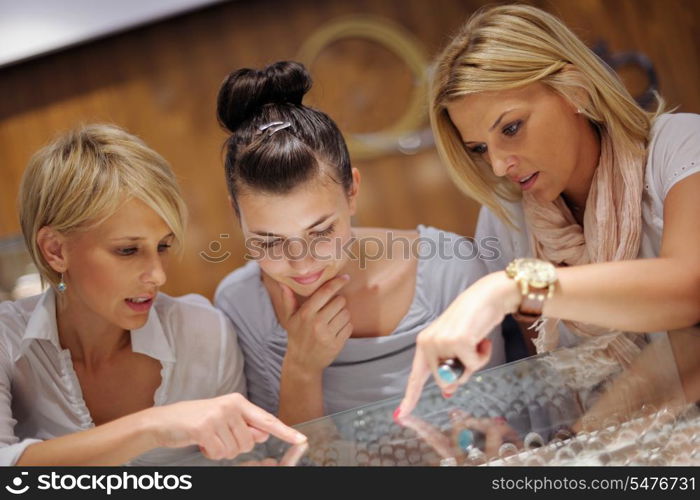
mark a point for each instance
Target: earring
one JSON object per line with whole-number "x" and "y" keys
{"x": 61, "y": 287}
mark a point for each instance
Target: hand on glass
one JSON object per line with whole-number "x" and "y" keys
{"x": 223, "y": 427}
{"x": 460, "y": 332}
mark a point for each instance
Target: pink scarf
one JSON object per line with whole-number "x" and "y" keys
{"x": 611, "y": 231}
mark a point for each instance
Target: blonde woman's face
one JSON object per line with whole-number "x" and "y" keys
{"x": 297, "y": 238}
{"x": 532, "y": 136}
{"x": 115, "y": 270}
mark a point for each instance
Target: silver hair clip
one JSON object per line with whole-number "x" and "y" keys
{"x": 274, "y": 126}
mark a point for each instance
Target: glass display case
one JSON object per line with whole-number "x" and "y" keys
{"x": 567, "y": 407}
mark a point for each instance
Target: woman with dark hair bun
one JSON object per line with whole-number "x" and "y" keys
{"x": 327, "y": 314}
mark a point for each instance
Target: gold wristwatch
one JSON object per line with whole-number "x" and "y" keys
{"x": 536, "y": 279}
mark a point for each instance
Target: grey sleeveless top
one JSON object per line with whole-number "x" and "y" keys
{"x": 367, "y": 369}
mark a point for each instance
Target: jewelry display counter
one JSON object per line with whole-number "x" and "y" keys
{"x": 572, "y": 406}
{"x": 568, "y": 407}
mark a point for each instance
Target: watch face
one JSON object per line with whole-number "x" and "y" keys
{"x": 537, "y": 273}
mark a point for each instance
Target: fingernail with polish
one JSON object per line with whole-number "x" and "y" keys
{"x": 397, "y": 414}
{"x": 447, "y": 395}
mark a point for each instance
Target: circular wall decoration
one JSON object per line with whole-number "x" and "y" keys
{"x": 406, "y": 134}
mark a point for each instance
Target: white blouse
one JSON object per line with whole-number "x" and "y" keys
{"x": 673, "y": 155}
{"x": 40, "y": 395}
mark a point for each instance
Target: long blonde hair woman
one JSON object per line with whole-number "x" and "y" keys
{"x": 572, "y": 172}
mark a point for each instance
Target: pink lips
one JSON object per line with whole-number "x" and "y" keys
{"x": 308, "y": 279}
{"x": 530, "y": 182}
{"x": 140, "y": 306}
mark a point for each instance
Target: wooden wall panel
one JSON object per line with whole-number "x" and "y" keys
{"x": 160, "y": 83}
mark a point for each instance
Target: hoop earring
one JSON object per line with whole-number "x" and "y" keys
{"x": 61, "y": 287}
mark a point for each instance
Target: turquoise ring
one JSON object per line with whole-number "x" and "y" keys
{"x": 450, "y": 370}
{"x": 465, "y": 439}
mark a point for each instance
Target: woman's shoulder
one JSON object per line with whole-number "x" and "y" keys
{"x": 448, "y": 264}
{"x": 674, "y": 151}
{"x": 14, "y": 319}
{"x": 437, "y": 245}
{"x": 17, "y": 311}
{"x": 245, "y": 301}
{"x": 446, "y": 249}
{"x": 503, "y": 242}
{"x": 675, "y": 133}
{"x": 15, "y": 314}
{"x": 238, "y": 283}
{"x": 489, "y": 224}
{"x": 673, "y": 123}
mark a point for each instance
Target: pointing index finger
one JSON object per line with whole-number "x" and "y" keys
{"x": 416, "y": 380}
{"x": 264, "y": 421}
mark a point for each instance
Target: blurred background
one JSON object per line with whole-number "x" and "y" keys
{"x": 154, "y": 68}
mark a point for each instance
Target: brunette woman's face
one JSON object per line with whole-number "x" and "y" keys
{"x": 530, "y": 135}
{"x": 298, "y": 238}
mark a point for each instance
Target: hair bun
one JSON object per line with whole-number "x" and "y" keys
{"x": 247, "y": 90}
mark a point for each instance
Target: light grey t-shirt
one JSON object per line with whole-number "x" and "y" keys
{"x": 367, "y": 369}
{"x": 674, "y": 154}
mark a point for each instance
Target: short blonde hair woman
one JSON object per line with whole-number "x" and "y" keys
{"x": 91, "y": 171}
{"x": 572, "y": 173}
{"x": 102, "y": 368}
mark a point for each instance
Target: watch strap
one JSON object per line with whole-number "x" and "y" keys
{"x": 531, "y": 304}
